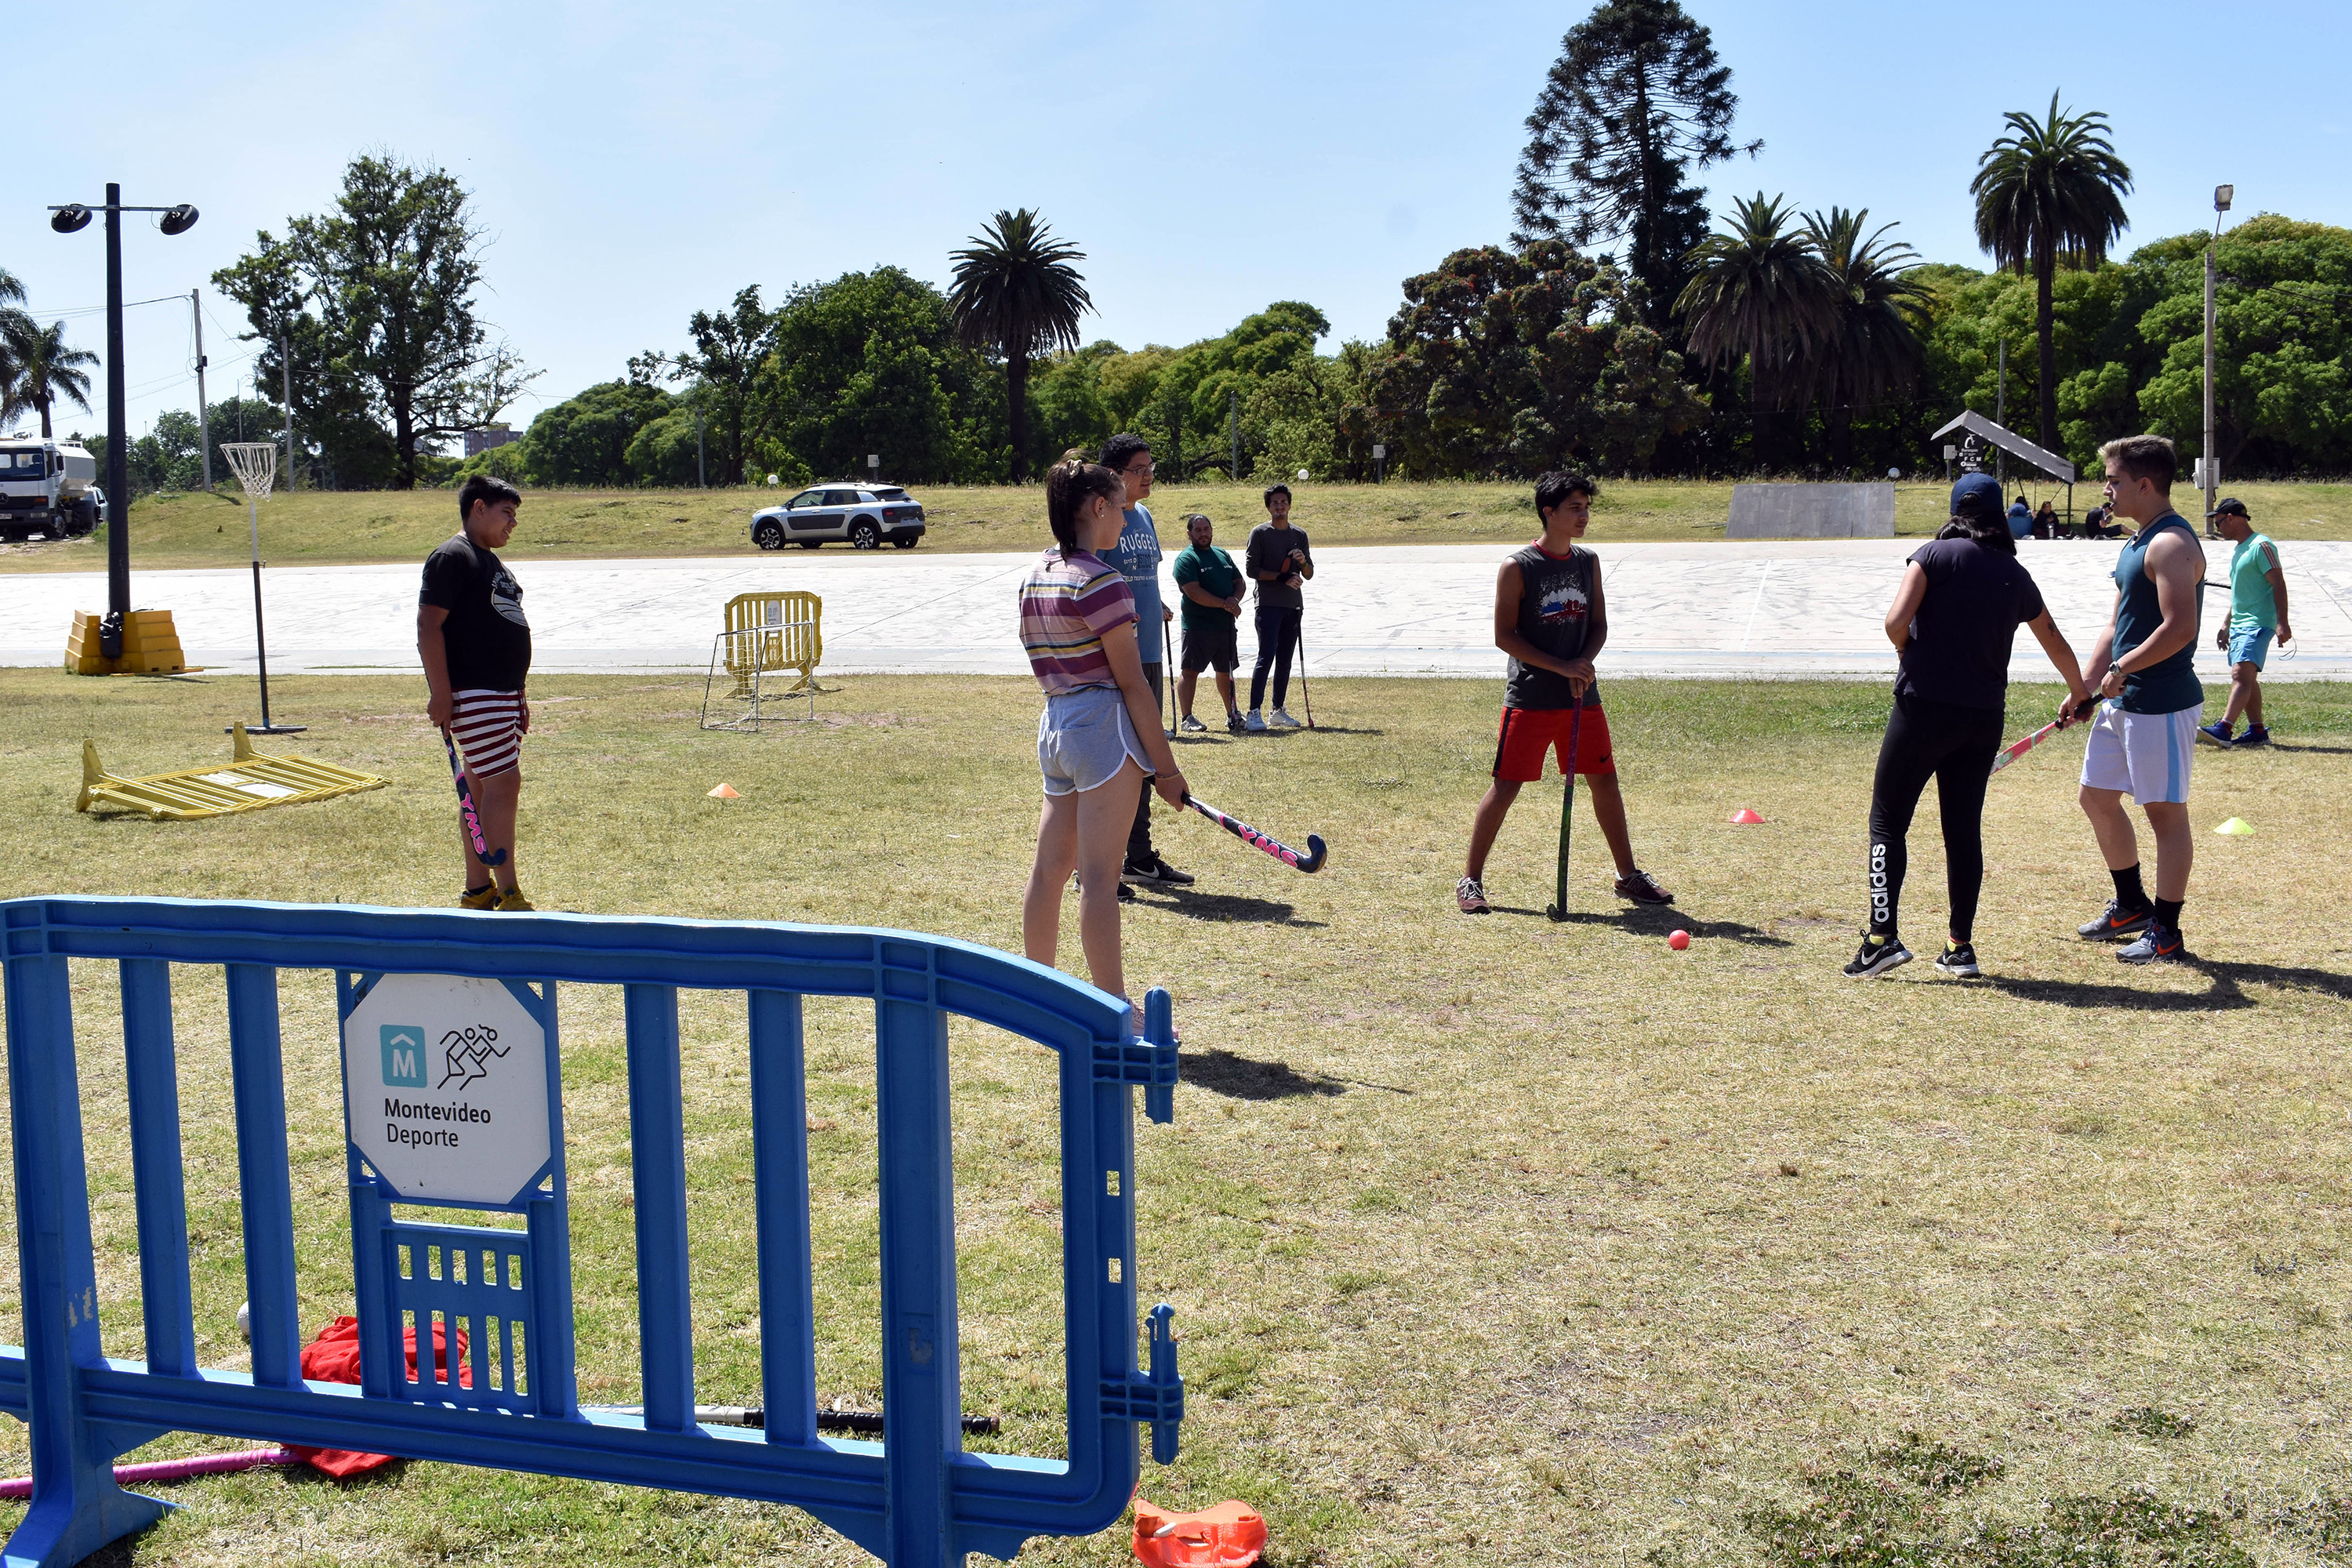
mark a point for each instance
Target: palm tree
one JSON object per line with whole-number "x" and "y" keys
{"x": 1873, "y": 347}
{"x": 2051, "y": 192}
{"x": 14, "y": 326}
{"x": 46, "y": 369}
{"x": 1016, "y": 292}
{"x": 1759, "y": 289}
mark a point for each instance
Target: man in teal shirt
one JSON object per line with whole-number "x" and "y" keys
{"x": 2257, "y": 614}
{"x": 2142, "y": 742}
{"x": 1212, "y": 586}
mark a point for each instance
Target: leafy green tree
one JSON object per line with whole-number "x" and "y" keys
{"x": 664, "y": 451}
{"x": 240, "y": 418}
{"x": 870, "y": 363}
{"x": 47, "y": 370}
{"x": 2048, "y": 195}
{"x": 1515, "y": 361}
{"x": 1873, "y": 348}
{"x": 729, "y": 347}
{"x": 2282, "y": 355}
{"x": 585, "y": 440}
{"x": 1017, "y": 295}
{"x": 1067, "y": 404}
{"x": 1636, "y": 103}
{"x": 378, "y": 298}
{"x": 1760, "y": 292}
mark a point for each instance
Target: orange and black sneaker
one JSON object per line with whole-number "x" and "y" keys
{"x": 2118, "y": 923}
{"x": 2160, "y": 943}
{"x": 484, "y": 897}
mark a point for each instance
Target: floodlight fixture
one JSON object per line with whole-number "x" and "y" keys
{"x": 2221, "y": 197}
{"x": 71, "y": 218}
{"x": 178, "y": 220}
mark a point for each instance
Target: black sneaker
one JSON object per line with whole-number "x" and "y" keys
{"x": 2160, "y": 943}
{"x": 1878, "y": 954}
{"x": 1125, "y": 894}
{"x": 2118, "y": 923}
{"x": 1642, "y": 888}
{"x": 1157, "y": 870}
{"x": 1959, "y": 958}
{"x": 1233, "y": 723}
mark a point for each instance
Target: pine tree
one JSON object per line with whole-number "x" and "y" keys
{"x": 1636, "y": 103}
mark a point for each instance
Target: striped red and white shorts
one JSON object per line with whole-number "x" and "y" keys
{"x": 488, "y": 726}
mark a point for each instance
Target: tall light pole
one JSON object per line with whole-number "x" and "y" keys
{"x": 203, "y": 415}
{"x": 2211, "y": 467}
{"x": 72, "y": 218}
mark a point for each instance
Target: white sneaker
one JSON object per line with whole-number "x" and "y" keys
{"x": 1191, "y": 726}
{"x": 1281, "y": 717}
{"x": 1255, "y": 722}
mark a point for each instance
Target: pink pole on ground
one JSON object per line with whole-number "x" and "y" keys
{"x": 175, "y": 1469}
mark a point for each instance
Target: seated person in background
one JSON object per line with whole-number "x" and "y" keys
{"x": 2099, "y": 523}
{"x": 2020, "y": 520}
{"x": 2046, "y": 522}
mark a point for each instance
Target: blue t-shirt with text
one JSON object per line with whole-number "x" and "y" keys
{"x": 1137, "y": 556}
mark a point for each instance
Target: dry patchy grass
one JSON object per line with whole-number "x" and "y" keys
{"x": 1490, "y": 1241}
{"x": 313, "y": 528}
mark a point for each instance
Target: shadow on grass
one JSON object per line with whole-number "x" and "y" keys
{"x": 2225, "y": 994}
{"x": 1224, "y": 907}
{"x": 1641, "y": 919}
{"x": 1240, "y": 1077}
{"x": 2324, "y": 751}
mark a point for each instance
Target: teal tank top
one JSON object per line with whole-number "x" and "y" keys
{"x": 2172, "y": 684}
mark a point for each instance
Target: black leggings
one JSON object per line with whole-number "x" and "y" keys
{"x": 1956, "y": 746}
{"x": 1278, "y": 632}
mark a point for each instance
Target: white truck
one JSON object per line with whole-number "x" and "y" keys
{"x": 47, "y": 488}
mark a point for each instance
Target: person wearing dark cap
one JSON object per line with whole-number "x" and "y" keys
{"x": 1953, "y": 621}
{"x": 2257, "y": 614}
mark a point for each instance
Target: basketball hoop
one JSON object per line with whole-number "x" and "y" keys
{"x": 254, "y": 463}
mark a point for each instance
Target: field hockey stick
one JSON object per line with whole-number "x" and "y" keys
{"x": 1303, "y": 695}
{"x": 2083, "y": 710}
{"x": 1310, "y": 862}
{"x": 1559, "y": 910}
{"x": 1168, "y": 675}
{"x": 482, "y": 851}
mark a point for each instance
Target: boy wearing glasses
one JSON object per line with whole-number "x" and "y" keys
{"x": 1136, "y": 557}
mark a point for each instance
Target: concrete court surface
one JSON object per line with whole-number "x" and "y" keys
{"x": 1732, "y": 610}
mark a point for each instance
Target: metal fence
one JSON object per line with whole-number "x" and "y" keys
{"x": 472, "y": 1000}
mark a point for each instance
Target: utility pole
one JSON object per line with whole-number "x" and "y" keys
{"x": 203, "y": 415}
{"x": 286, "y": 363}
{"x": 1233, "y": 420}
{"x": 2001, "y": 417}
{"x": 701, "y": 473}
{"x": 2209, "y": 462}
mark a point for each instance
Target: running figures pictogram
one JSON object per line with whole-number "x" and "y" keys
{"x": 466, "y": 1054}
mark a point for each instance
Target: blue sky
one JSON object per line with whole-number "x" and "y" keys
{"x": 633, "y": 164}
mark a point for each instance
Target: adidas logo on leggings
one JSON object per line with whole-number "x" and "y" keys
{"x": 1878, "y": 899}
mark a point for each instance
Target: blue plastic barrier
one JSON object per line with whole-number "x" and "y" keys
{"x": 915, "y": 1500}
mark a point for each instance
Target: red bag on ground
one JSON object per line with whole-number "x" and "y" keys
{"x": 1229, "y": 1535}
{"x": 334, "y": 1357}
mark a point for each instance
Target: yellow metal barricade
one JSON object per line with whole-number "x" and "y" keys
{"x": 768, "y": 634}
{"x": 249, "y": 783}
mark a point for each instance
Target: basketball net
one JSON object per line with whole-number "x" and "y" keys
{"x": 254, "y": 463}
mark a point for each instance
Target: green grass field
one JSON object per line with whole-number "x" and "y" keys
{"x": 320, "y": 528}
{"x": 1490, "y": 1241}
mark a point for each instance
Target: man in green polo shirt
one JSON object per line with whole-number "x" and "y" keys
{"x": 1212, "y": 586}
{"x": 2257, "y": 614}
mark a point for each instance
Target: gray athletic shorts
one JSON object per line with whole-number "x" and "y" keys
{"x": 1084, "y": 738}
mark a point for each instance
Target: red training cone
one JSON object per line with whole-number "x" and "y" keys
{"x": 1744, "y": 817}
{"x": 724, "y": 792}
{"x": 1229, "y": 1535}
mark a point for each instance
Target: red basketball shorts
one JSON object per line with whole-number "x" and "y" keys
{"x": 1529, "y": 733}
{"x": 488, "y": 726}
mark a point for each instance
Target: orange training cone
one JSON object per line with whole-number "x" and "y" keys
{"x": 1744, "y": 817}
{"x": 725, "y": 792}
{"x": 1229, "y": 1535}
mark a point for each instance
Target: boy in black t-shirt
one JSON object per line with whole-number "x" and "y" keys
{"x": 476, "y": 647}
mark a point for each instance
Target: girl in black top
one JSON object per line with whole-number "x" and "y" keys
{"x": 1954, "y": 618}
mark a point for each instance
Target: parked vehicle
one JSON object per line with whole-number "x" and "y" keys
{"x": 864, "y": 515}
{"x": 47, "y": 488}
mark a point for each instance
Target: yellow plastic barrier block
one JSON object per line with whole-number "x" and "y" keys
{"x": 151, "y": 645}
{"x": 249, "y": 783}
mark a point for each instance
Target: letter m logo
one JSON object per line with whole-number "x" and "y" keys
{"x": 404, "y": 1055}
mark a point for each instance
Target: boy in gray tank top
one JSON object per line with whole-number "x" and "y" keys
{"x": 1549, "y": 618}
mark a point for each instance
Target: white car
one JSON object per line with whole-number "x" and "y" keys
{"x": 864, "y": 514}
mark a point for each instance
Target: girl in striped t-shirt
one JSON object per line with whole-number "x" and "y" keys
{"x": 1099, "y": 737}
